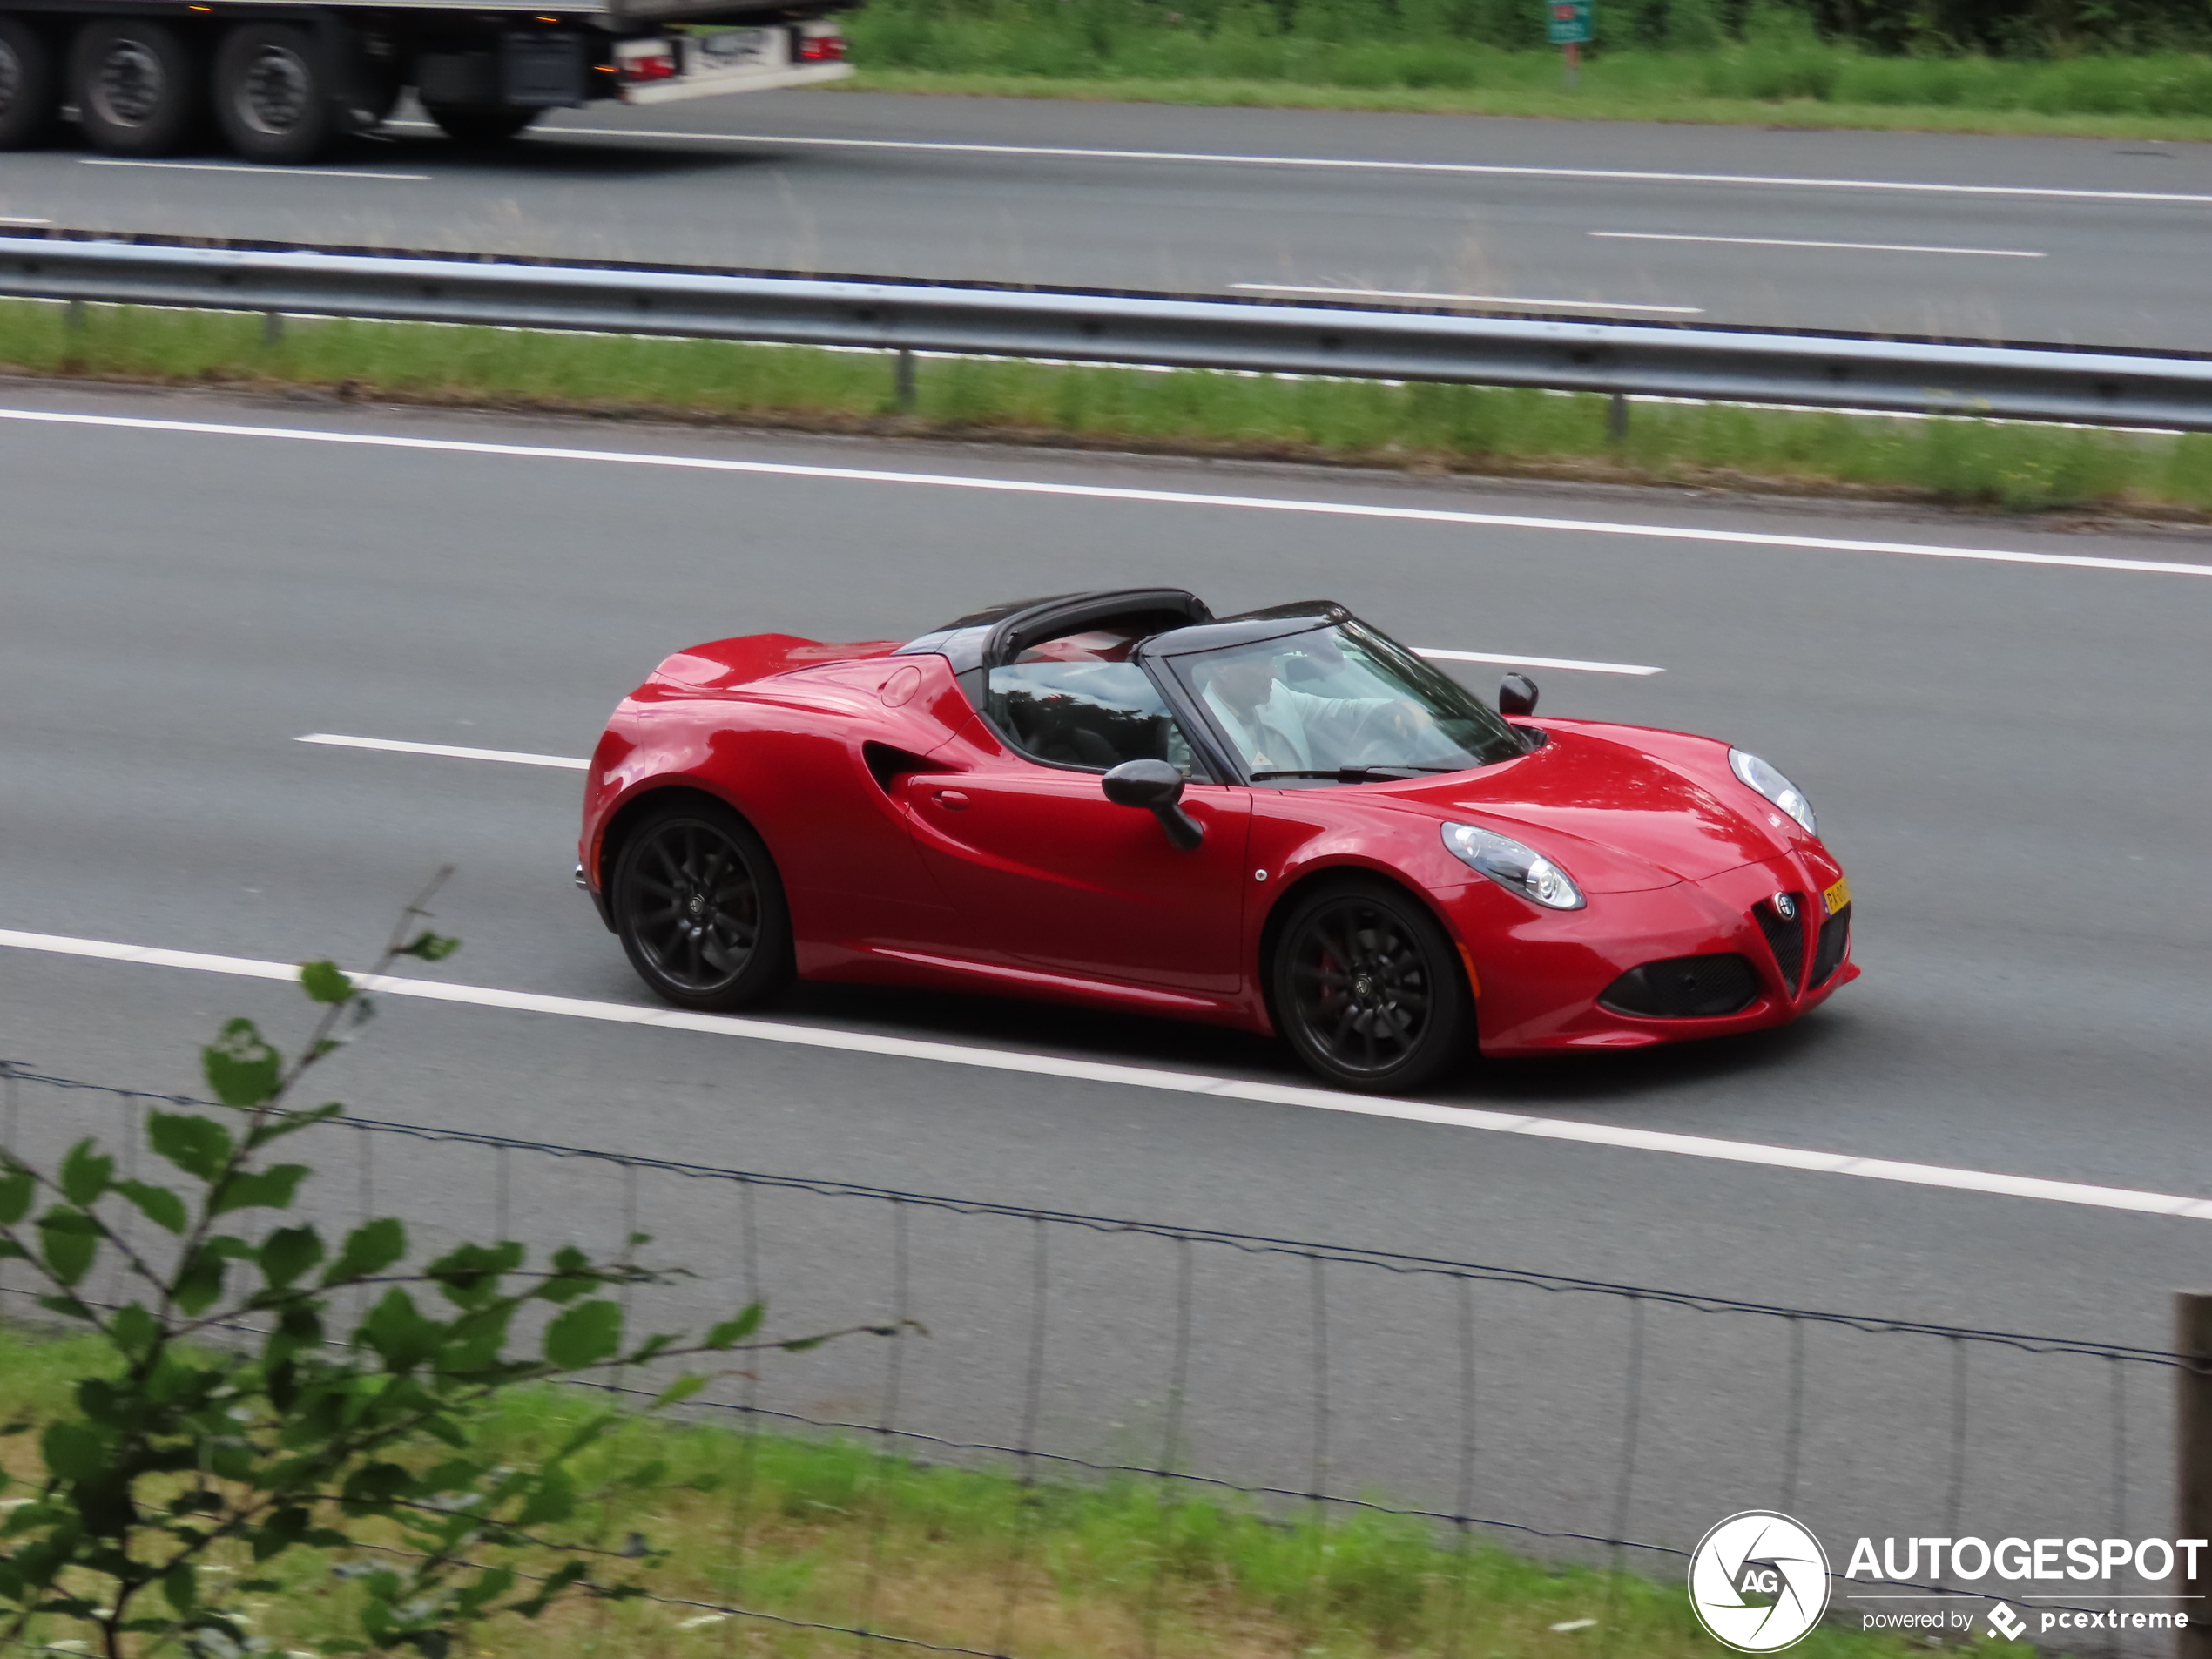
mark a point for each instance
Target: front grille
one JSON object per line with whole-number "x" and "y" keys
{"x": 1785, "y": 936}
{"x": 1684, "y": 988}
{"x": 1835, "y": 938}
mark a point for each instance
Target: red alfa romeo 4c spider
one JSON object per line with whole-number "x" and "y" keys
{"x": 1284, "y": 821}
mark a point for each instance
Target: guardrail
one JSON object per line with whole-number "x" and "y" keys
{"x": 2018, "y": 382}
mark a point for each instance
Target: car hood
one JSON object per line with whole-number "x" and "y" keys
{"x": 1618, "y": 818}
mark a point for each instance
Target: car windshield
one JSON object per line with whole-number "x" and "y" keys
{"x": 1343, "y": 703}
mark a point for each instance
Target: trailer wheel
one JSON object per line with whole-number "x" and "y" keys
{"x": 138, "y": 85}
{"x": 29, "y": 97}
{"x": 481, "y": 125}
{"x": 272, "y": 95}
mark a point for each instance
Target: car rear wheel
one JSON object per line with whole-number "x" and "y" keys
{"x": 699, "y": 910}
{"x": 1367, "y": 988}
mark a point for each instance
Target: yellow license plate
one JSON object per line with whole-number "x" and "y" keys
{"x": 1838, "y": 896}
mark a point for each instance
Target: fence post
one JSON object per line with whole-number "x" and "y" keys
{"x": 902, "y": 381}
{"x": 2193, "y": 1473}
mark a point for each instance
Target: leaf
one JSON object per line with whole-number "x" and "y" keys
{"x": 587, "y": 1333}
{"x": 288, "y": 1252}
{"x": 68, "y": 1240}
{"x": 198, "y": 1146}
{"x": 16, "y": 1190}
{"x": 730, "y": 1332}
{"x": 85, "y": 1176}
{"x": 431, "y": 947}
{"x": 157, "y": 1204}
{"x": 200, "y": 1281}
{"x": 269, "y": 1189}
{"x": 677, "y": 1392}
{"x": 326, "y": 982}
{"x": 242, "y": 1069}
{"x": 134, "y": 1329}
{"x": 368, "y": 1250}
{"x": 181, "y": 1586}
{"x": 73, "y": 1451}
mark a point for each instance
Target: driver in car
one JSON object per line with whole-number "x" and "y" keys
{"x": 1278, "y": 728}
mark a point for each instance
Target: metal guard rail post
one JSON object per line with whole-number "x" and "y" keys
{"x": 2104, "y": 388}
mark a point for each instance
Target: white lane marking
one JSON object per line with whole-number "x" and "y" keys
{"x": 265, "y": 172}
{"x": 1466, "y": 298}
{"x": 514, "y": 757}
{"x": 1607, "y": 1135}
{"x": 1852, "y": 247}
{"x": 1535, "y": 662}
{"x": 13, "y": 218}
{"x": 1359, "y": 165}
{"x": 1112, "y": 492}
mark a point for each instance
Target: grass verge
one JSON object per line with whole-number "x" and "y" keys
{"x": 1415, "y": 426}
{"x": 1596, "y": 101}
{"x": 832, "y": 1532}
{"x": 1666, "y": 60}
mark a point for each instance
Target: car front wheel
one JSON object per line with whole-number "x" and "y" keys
{"x": 1367, "y": 988}
{"x": 699, "y": 907}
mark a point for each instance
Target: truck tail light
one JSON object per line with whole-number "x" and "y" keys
{"x": 647, "y": 61}
{"x": 827, "y": 47}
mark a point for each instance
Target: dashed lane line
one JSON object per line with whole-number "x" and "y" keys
{"x": 572, "y": 762}
{"x": 1795, "y": 1159}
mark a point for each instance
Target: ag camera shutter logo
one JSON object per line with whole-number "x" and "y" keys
{"x": 1758, "y": 1581}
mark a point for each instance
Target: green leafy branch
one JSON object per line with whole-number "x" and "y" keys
{"x": 236, "y": 1420}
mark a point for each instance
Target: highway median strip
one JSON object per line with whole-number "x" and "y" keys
{"x": 1800, "y": 1160}
{"x": 1417, "y": 427}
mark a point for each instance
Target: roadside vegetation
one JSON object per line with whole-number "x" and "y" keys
{"x": 834, "y": 1532}
{"x": 1431, "y": 428}
{"x": 2125, "y": 68}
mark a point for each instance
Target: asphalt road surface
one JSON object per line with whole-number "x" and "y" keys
{"x": 2010, "y": 757}
{"x": 2057, "y": 240}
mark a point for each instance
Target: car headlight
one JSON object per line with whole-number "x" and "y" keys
{"x": 1509, "y": 864}
{"x": 1770, "y": 783}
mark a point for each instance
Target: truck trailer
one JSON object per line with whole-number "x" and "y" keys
{"x": 284, "y": 82}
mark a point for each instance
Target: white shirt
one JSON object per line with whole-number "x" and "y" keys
{"x": 1281, "y": 734}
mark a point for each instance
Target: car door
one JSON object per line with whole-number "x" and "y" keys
{"x": 1043, "y": 871}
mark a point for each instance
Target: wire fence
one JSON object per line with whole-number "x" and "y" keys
{"x": 1575, "y": 1420}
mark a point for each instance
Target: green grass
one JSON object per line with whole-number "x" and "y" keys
{"x": 1452, "y": 56}
{"x": 1539, "y": 96}
{"x": 818, "y": 1530}
{"x": 1419, "y": 427}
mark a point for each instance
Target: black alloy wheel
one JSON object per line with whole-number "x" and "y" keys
{"x": 29, "y": 89}
{"x": 1368, "y": 989}
{"x": 272, "y": 98}
{"x": 138, "y": 85}
{"x": 478, "y": 126}
{"x": 699, "y": 910}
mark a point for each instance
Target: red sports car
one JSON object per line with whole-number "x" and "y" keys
{"x": 1284, "y": 821}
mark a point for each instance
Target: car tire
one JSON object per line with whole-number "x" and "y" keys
{"x": 30, "y": 93}
{"x": 699, "y": 910}
{"x": 139, "y": 86}
{"x": 1366, "y": 987}
{"x": 479, "y": 127}
{"x": 272, "y": 95}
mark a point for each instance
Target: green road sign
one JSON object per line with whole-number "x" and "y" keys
{"x": 1569, "y": 20}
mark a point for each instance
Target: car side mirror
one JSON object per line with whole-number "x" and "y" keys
{"x": 1516, "y": 695}
{"x": 1157, "y": 787}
